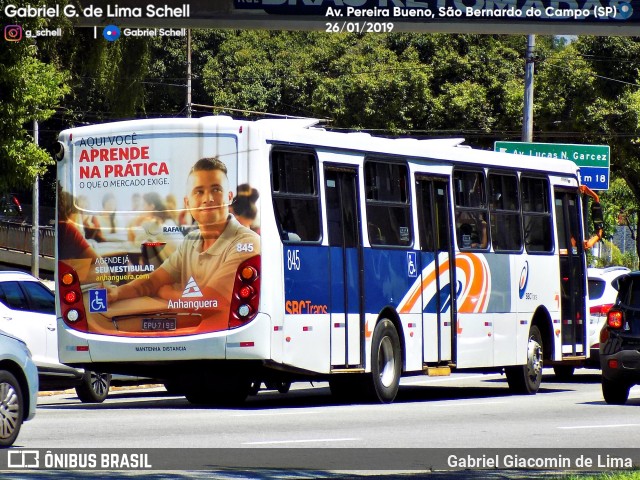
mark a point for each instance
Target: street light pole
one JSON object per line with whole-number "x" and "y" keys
{"x": 35, "y": 218}
{"x": 527, "y": 119}
{"x": 189, "y": 73}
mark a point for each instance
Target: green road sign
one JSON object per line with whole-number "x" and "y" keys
{"x": 593, "y": 160}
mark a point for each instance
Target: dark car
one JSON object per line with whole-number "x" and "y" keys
{"x": 620, "y": 342}
{"x": 10, "y": 206}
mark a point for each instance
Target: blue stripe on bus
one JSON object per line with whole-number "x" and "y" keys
{"x": 306, "y": 279}
{"x": 316, "y": 281}
{"x": 386, "y": 280}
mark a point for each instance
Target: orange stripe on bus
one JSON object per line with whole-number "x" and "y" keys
{"x": 418, "y": 292}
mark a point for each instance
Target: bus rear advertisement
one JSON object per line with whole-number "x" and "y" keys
{"x": 216, "y": 254}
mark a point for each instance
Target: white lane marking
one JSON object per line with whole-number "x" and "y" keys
{"x": 303, "y": 441}
{"x": 274, "y": 414}
{"x": 465, "y": 404}
{"x": 600, "y": 426}
{"x": 458, "y": 403}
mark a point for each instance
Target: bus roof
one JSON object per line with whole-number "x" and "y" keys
{"x": 306, "y": 132}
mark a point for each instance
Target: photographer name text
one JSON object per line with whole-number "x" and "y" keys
{"x": 553, "y": 462}
{"x": 91, "y": 11}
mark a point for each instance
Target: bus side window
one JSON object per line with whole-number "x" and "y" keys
{"x": 388, "y": 203}
{"x": 472, "y": 229}
{"x": 536, "y": 214}
{"x": 504, "y": 206}
{"x": 294, "y": 177}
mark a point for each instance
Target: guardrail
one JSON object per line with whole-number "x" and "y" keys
{"x": 17, "y": 236}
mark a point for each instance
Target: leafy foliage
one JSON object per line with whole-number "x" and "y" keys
{"x": 586, "y": 91}
{"x": 30, "y": 89}
{"x": 393, "y": 83}
{"x": 591, "y": 89}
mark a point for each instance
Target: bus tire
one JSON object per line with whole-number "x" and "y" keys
{"x": 282, "y": 386}
{"x": 386, "y": 361}
{"x": 94, "y": 387}
{"x": 525, "y": 379}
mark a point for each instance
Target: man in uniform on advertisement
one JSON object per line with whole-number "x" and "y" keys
{"x": 211, "y": 254}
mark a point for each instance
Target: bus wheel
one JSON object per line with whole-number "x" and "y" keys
{"x": 282, "y": 386}
{"x": 386, "y": 361}
{"x": 526, "y": 379}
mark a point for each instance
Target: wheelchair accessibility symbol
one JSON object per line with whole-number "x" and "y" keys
{"x": 412, "y": 264}
{"x": 98, "y": 300}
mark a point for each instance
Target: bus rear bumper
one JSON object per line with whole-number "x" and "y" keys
{"x": 248, "y": 342}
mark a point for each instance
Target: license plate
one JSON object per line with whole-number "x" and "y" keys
{"x": 158, "y": 324}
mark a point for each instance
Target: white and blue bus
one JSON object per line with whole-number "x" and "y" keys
{"x": 216, "y": 254}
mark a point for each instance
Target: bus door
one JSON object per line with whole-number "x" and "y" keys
{"x": 436, "y": 258}
{"x": 572, "y": 268}
{"x": 345, "y": 265}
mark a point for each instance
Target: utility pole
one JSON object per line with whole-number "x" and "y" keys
{"x": 35, "y": 218}
{"x": 189, "y": 73}
{"x": 527, "y": 119}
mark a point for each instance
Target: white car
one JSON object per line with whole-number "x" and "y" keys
{"x": 602, "y": 296}
{"x": 27, "y": 311}
{"x": 18, "y": 387}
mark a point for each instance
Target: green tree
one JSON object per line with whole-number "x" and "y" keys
{"x": 589, "y": 92}
{"x": 30, "y": 89}
{"x": 165, "y": 83}
{"x": 391, "y": 83}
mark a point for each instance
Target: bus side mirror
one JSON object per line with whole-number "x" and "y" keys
{"x": 58, "y": 151}
{"x": 596, "y": 216}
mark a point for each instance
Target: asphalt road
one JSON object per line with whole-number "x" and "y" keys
{"x": 463, "y": 410}
{"x": 432, "y": 418}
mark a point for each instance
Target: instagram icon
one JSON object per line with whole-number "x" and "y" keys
{"x": 13, "y": 33}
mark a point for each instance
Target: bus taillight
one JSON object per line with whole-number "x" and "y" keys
{"x": 246, "y": 293}
{"x": 71, "y": 306}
